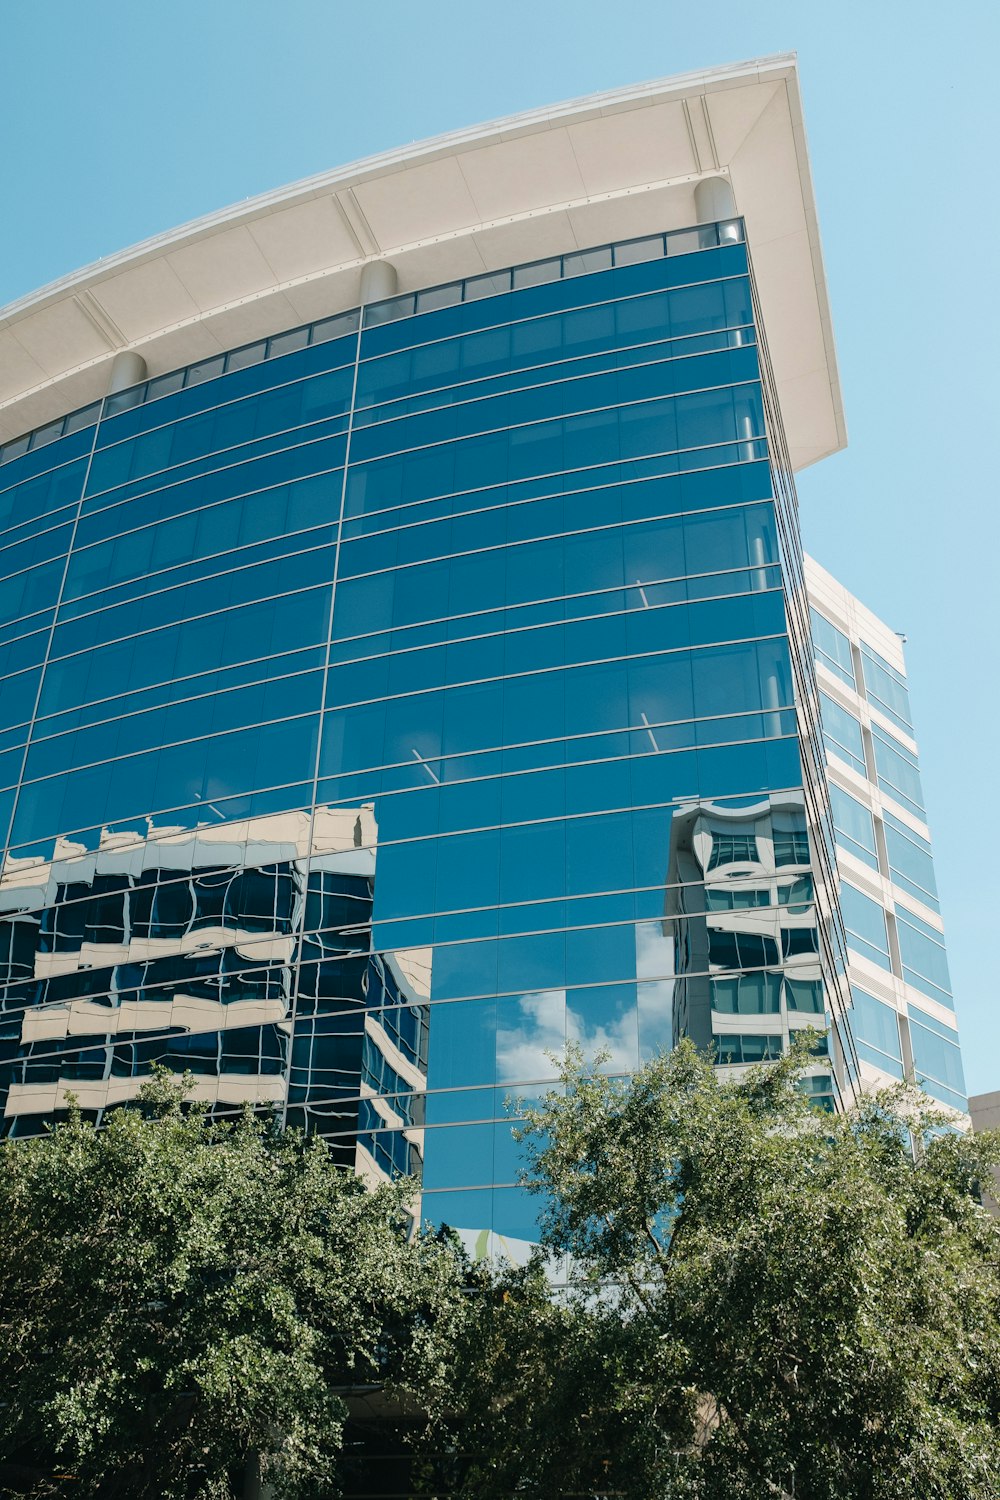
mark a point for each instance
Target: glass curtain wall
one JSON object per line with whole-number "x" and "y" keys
{"x": 380, "y": 715}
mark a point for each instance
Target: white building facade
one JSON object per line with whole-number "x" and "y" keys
{"x": 903, "y": 1014}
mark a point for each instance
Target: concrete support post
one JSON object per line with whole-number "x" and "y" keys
{"x": 378, "y": 281}
{"x": 772, "y": 700}
{"x": 748, "y": 444}
{"x": 714, "y": 203}
{"x": 759, "y": 558}
{"x": 127, "y": 368}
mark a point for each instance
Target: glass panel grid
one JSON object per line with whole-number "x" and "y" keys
{"x": 833, "y": 648}
{"x": 361, "y": 787}
{"x": 886, "y": 688}
{"x": 629, "y": 252}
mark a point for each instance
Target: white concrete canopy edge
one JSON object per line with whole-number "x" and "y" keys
{"x": 570, "y": 176}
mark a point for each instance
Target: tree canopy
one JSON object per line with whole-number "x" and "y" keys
{"x": 179, "y": 1298}
{"x": 759, "y": 1299}
{"x": 736, "y": 1296}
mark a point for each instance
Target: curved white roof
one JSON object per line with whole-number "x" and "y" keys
{"x": 567, "y": 177}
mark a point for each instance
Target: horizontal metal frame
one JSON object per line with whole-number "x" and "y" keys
{"x": 90, "y": 512}
{"x": 514, "y": 371}
{"x": 416, "y": 625}
{"x": 65, "y": 463}
{"x": 422, "y": 646}
{"x": 746, "y": 880}
{"x": 357, "y": 465}
{"x": 532, "y": 386}
{"x": 241, "y": 565}
{"x": 306, "y": 805}
{"x": 450, "y": 687}
{"x": 352, "y": 803}
{"x": 355, "y": 313}
{"x": 42, "y": 562}
{"x": 183, "y": 991}
{"x": 111, "y": 586}
{"x": 526, "y": 500}
{"x": 479, "y": 510}
{"x": 613, "y": 352}
{"x": 784, "y": 968}
{"x": 571, "y": 667}
{"x": 534, "y": 318}
{"x": 98, "y": 406}
{"x": 503, "y": 609}
{"x": 378, "y": 572}
{"x": 619, "y": 483}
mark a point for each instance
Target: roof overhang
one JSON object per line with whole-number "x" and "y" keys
{"x": 567, "y": 177}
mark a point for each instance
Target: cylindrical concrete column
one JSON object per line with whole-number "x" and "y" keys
{"x": 771, "y": 694}
{"x": 714, "y": 203}
{"x": 378, "y": 281}
{"x": 748, "y": 445}
{"x": 127, "y": 368}
{"x": 759, "y": 557}
{"x": 713, "y": 199}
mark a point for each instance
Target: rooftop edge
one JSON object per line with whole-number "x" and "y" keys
{"x": 564, "y": 177}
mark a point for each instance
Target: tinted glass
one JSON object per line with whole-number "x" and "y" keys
{"x": 876, "y": 1032}
{"x": 832, "y": 648}
{"x": 386, "y": 744}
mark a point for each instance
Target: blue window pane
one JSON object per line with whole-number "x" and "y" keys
{"x": 747, "y": 1048}
{"x": 853, "y": 826}
{"x": 842, "y": 734}
{"x": 832, "y": 648}
{"x": 897, "y": 771}
{"x": 886, "y": 688}
{"x": 922, "y": 951}
{"x": 910, "y": 862}
{"x": 876, "y": 1031}
{"x": 864, "y": 920}
{"x": 17, "y": 698}
{"x": 937, "y": 1060}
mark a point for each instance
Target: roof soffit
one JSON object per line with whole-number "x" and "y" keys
{"x": 558, "y": 179}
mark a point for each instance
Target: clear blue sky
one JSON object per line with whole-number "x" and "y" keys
{"x": 122, "y": 120}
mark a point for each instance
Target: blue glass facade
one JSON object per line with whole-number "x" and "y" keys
{"x": 391, "y": 702}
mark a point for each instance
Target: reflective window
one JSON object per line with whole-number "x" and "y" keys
{"x": 791, "y": 847}
{"x": 897, "y": 771}
{"x": 910, "y": 863}
{"x": 937, "y": 1060}
{"x": 832, "y": 648}
{"x": 886, "y": 688}
{"x": 721, "y": 899}
{"x": 747, "y": 994}
{"x": 748, "y": 1048}
{"x": 853, "y": 826}
{"x": 732, "y": 848}
{"x": 557, "y": 792}
{"x": 921, "y": 949}
{"x": 741, "y": 950}
{"x": 843, "y": 735}
{"x": 864, "y": 920}
{"x": 876, "y": 1032}
{"x": 804, "y": 995}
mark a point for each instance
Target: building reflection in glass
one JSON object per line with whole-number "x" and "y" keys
{"x": 741, "y": 910}
{"x": 544, "y": 599}
{"x": 238, "y": 951}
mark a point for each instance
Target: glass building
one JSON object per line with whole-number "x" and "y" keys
{"x": 407, "y": 664}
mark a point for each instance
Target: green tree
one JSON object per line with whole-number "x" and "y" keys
{"x": 178, "y": 1298}
{"x": 763, "y": 1300}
